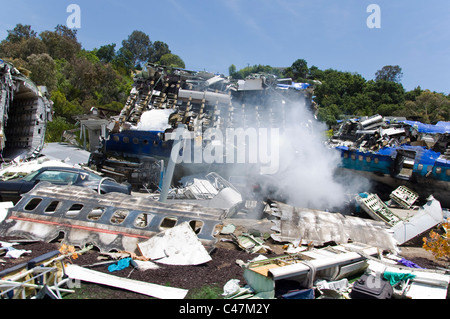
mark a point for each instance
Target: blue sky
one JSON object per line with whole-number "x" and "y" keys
{"x": 212, "y": 35}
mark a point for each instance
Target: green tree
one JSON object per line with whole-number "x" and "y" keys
{"x": 298, "y": 70}
{"x": 232, "y": 70}
{"x": 139, "y": 47}
{"x": 329, "y": 115}
{"x": 315, "y": 73}
{"x": 22, "y": 49}
{"x": 384, "y": 92}
{"x": 413, "y": 94}
{"x": 432, "y": 107}
{"x": 66, "y": 32}
{"x": 123, "y": 62}
{"x": 20, "y": 32}
{"x": 63, "y": 108}
{"x": 61, "y": 43}
{"x": 172, "y": 60}
{"x": 56, "y": 128}
{"x": 43, "y": 70}
{"x": 257, "y": 68}
{"x": 158, "y": 49}
{"x": 392, "y": 73}
{"x": 106, "y": 53}
{"x": 341, "y": 89}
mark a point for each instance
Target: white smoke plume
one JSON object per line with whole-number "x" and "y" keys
{"x": 307, "y": 166}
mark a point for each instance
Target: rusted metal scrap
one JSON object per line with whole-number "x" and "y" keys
{"x": 111, "y": 222}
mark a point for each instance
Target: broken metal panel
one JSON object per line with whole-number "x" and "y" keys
{"x": 426, "y": 217}
{"x": 377, "y": 209}
{"x": 175, "y": 246}
{"x": 404, "y": 196}
{"x": 319, "y": 227}
{"x": 111, "y": 222}
{"x": 153, "y": 290}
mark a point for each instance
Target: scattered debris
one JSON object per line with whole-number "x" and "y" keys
{"x": 396, "y": 152}
{"x": 39, "y": 278}
{"x": 250, "y": 244}
{"x": 14, "y": 170}
{"x": 404, "y": 196}
{"x": 175, "y": 246}
{"x": 371, "y": 287}
{"x": 231, "y": 287}
{"x": 121, "y": 264}
{"x": 163, "y": 98}
{"x": 405, "y": 223}
{"x": 411, "y": 283}
{"x": 144, "y": 265}
{"x": 228, "y": 229}
{"x": 157, "y": 291}
{"x": 11, "y": 252}
{"x": 330, "y": 263}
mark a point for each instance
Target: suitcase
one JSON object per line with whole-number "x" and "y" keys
{"x": 371, "y": 287}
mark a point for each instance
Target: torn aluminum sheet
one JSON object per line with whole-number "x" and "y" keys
{"x": 175, "y": 246}
{"x": 161, "y": 292}
{"x": 111, "y": 222}
{"x": 319, "y": 227}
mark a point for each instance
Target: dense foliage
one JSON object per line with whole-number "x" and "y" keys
{"x": 78, "y": 79}
{"x": 344, "y": 94}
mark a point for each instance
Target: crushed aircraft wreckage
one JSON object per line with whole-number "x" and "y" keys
{"x": 405, "y": 222}
{"x": 397, "y": 152}
{"x": 139, "y": 141}
{"x": 307, "y": 226}
{"x": 25, "y": 110}
{"x": 109, "y": 222}
{"x": 136, "y": 153}
{"x": 304, "y": 268}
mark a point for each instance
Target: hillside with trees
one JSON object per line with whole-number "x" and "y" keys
{"x": 341, "y": 94}
{"x": 79, "y": 79}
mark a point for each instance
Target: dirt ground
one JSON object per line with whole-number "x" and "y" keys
{"x": 213, "y": 274}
